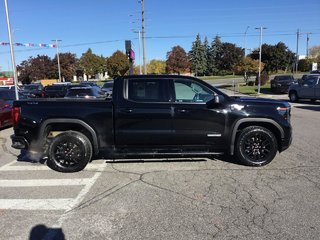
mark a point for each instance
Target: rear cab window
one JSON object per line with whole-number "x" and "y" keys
{"x": 147, "y": 90}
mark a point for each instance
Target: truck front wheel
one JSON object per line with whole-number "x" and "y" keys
{"x": 256, "y": 146}
{"x": 70, "y": 151}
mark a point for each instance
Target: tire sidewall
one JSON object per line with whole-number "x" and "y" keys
{"x": 242, "y": 138}
{"x": 84, "y": 144}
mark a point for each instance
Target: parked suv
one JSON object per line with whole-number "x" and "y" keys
{"x": 281, "y": 83}
{"x": 33, "y": 90}
{"x": 308, "y": 88}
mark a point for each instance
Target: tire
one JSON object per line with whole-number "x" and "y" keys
{"x": 69, "y": 152}
{"x": 293, "y": 97}
{"x": 256, "y": 146}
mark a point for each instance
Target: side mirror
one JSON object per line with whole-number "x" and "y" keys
{"x": 217, "y": 100}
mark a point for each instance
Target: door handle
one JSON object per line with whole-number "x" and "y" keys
{"x": 127, "y": 110}
{"x": 182, "y": 111}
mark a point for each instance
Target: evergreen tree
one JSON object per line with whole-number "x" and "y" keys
{"x": 207, "y": 51}
{"x": 197, "y": 57}
{"x": 214, "y": 56}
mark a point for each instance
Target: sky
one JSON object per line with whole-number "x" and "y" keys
{"x": 104, "y": 25}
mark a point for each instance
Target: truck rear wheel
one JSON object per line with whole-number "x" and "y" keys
{"x": 69, "y": 152}
{"x": 256, "y": 146}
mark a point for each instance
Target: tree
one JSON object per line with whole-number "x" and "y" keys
{"x": 117, "y": 64}
{"x": 68, "y": 63}
{"x": 248, "y": 65}
{"x": 314, "y": 52}
{"x": 214, "y": 56}
{"x": 91, "y": 64}
{"x": 230, "y": 56}
{"x": 40, "y": 67}
{"x": 177, "y": 61}
{"x": 206, "y": 48}
{"x": 304, "y": 65}
{"x": 275, "y": 57}
{"x": 156, "y": 66}
{"x": 198, "y": 57}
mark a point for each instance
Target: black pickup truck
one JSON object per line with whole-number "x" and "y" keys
{"x": 152, "y": 116}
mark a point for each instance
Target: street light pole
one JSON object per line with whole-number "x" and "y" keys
{"x": 57, "y": 46}
{"x": 259, "y": 74}
{"x": 297, "y": 51}
{"x": 15, "y": 75}
{"x": 139, "y": 42}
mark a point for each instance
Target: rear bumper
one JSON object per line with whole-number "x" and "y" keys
{"x": 19, "y": 142}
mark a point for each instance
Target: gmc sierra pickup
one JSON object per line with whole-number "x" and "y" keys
{"x": 152, "y": 115}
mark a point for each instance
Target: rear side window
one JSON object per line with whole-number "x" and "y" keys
{"x": 147, "y": 90}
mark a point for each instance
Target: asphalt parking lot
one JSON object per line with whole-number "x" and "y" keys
{"x": 171, "y": 199}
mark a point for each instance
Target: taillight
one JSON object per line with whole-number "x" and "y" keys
{"x": 15, "y": 115}
{"x": 285, "y": 112}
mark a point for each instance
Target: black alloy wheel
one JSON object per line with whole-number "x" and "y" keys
{"x": 293, "y": 97}
{"x": 69, "y": 152}
{"x": 256, "y": 146}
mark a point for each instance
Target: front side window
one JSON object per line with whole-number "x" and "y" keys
{"x": 191, "y": 91}
{"x": 310, "y": 82}
{"x": 147, "y": 90}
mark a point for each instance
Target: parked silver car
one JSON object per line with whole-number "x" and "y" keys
{"x": 307, "y": 88}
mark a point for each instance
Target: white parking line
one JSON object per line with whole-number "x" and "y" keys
{"x": 44, "y": 182}
{"x": 39, "y": 168}
{"x": 36, "y": 204}
{"x": 47, "y": 204}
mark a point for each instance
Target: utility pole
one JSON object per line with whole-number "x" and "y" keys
{"x": 259, "y": 74}
{"x": 245, "y": 41}
{"x": 57, "y": 47}
{"x": 307, "y": 50}
{"x": 14, "y": 68}
{"x": 297, "y": 51}
{"x": 143, "y": 38}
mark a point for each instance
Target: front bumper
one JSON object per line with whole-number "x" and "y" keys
{"x": 19, "y": 142}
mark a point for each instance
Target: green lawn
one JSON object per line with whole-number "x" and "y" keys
{"x": 252, "y": 90}
{"x": 220, "y": 77}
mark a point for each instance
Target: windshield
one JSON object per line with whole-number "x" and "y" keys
{"x": 31, "y": 87}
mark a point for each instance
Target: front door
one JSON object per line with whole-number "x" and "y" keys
{"x": 193, "y": 122}
{"x": 317, "y": 89}
{"x": 308, "y": 88}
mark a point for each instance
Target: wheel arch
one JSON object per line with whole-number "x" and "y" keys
{"x": 67, "y": 124}
{"x": 270, "y": 124}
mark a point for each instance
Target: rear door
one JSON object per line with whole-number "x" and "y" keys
{"x": 193, "y": 122}
{"x": 143, "y": 113}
